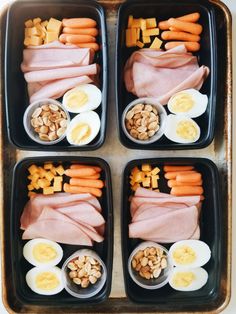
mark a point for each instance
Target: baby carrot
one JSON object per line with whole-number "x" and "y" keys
{"x": 92, "y": 31}
{"x": 94, "y": 177}
{"x": 78, "y": 166}
{"x": 93, "y": 46}
{"x": 77, "y": 39}
{"x": 190, "y": 45}
{"x": 81, "y": 189}
{"x": 79, "y": 23}
{"x": 189, "y": 27}
{"x": 191, "y": 177}
{"x": 186, "y": 190}
{"x": 177, "y": 168}
{"x": 172, "y": 183}
{"x": 192, "y": 17}
{"x": 168, "y": 35}
{"x": 83, "y": 172}
{"x": 87, "y": 182}
{"x": 173, "y": 174}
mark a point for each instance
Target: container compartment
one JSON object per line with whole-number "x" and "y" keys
{"x": 20, "y": 266}
{"x": 16, "y": 95}
{"x": 207, "y": 55}
{"x": 211, "y": 233}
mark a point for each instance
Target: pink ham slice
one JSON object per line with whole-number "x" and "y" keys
{"x": 142, "y": 192}
{"x": 55, "y": 74}
{"x": 52, "y": 228}
{"x": 58, "y": 88}
{"x": 145, "y": 211}
{"x": 51, "y": 58}
{"x": 83, "y": 213}
{"x": 167, "y": 228}
{"x": 160, "y": 74}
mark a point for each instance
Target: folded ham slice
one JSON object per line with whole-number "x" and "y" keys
{"x": 160, "y": 74}
{"x": 171, "y": 227}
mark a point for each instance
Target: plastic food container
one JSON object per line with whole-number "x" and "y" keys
{"x": 92, "y": 289}
{"x": 28, "y": 116}
{"x": 19, "y": 266}
{"x": 150, "y": 284}
{"x": 16, "y": 96}
{"x": 211, "y": 233}
{"x": 162, "y": 118}
{"x": 207, "y": 55}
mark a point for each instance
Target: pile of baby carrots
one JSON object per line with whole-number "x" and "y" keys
{"x": 184, "y": 180}
{"x": 81, "y": 32}
{"x": 182, "y": 30}
{"x": 84, "y": 179}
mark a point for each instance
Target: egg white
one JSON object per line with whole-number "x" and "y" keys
{"x": 200, "y": 102}
{"x": 94, "y": 98}
{"x": 34, "y": 272}
{"x": 28, "y": 252}
{"x": 201, "y": 277}
{"x": 92, "y": 119}
{"x": 201, "y": 249}
{"x": 172, "y": 122}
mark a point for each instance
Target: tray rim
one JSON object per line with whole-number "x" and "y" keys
{"x": 228, "y": 150}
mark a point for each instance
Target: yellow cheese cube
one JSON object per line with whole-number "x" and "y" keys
{"x": 146, "y": 167}
{"x": 36, "y": 185}
{"x": 27, "y": 32}
{"x": 27, "y": 41}
{"x": 137, "y": 185}
{"x": 139, "y": 177}
{"x": 35, "y": 41}
{"x": 151, "y": 23}
{"x": 54, "y": 25}
{"x": 48, "y": 190}
{"x": 29, "y": 23}
{"x": 151, "y": 32}
{"x": 130, "y": 21}
{"x": 48, "y": 166}
{"x": 60, "y": 170}
{"x": 137, "y": 34}
{"x": 132, "y": 182}
{"x": 146, "y": 39}
{"x": 35, "y": 177}
{"x": 131, "y": 37}
{"x": 135, "y": 170}
{"x": 156, "y": 44}
{"x": 36, "y": 20}
{"x": 57, "y": 184}
{"x": 143, "y": 24}
{"x": 139, "y": 44}
{"x": 51, "y": 36}
{"x": 155, "y": 171}
{"x": 42, "y": 172}
{"x": 33, "y": 169}
{"x": 43, "y": 183}
{"x": 58, "y": 179}
{"x": 44, "y": 23}
{"x": 53, "y": 170}
{"x": 154, "y": 182}
{"x": 136, "y": 23}
{"x": 35, "y": 31}
{"x": 30, "y": 187}
{"x": 49, "y": 176}
{"x": 147, "y": 182}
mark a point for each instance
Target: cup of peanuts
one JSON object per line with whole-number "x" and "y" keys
{"x": 84, "y": 274}
{"x": 143, "y": 120}
{"x": 46, "y": 121}
{"x": 149, "y": 265}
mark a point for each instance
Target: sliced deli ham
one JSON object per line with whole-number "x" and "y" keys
{"x": 160, "y": 74}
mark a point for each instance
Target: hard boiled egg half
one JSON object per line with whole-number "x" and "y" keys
{"x": 83, "y": 98}
{"x": 42, "y": 252}
{"x": 45, "y": 280}
{"x": 181, "y": 129}
{"x": 189, "y": 102}
{"x": 189, "y": 253}
{"x": 189, "y": 279}
{"x": 83, "y": 128}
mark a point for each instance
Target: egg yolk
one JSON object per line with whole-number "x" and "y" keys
{"x": 80, "y": 133}
{"x": 183, "y": 279}
{"x": 184, "y": 255}
{"x": 186, "y": 130}
{"x": 44, "y": 252}
{"x": 77, "y": 99}
{"x": 182, "y": 102}
{"x": 46, "y": 281}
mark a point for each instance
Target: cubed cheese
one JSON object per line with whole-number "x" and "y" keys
{"x": 57, "y": 184}
{"x": 36, "y": 20}
{"x": 139, "y": 44}
{"x": 42, "y": 172}
{"x": 146, "y": 167}
{"x": 154, "y": 182}
{"x": 60, "y": 170}
{"x": 136, "y": 23}
{"x": 43, "y": 183}
{"x": 33, "y": 169}
{"x": 51, "y": 36}
{"x": 135, "y": 170}
{"x": 35, "y": 177}
{"x": 35, "y": 41}
{"x": 29, "y": 23}
{"x": 147, "y": 182}
{"x": 146, "y": 39}
{"x": 48, "y": 166}
{"x": 49, "y": 176}
{"x": 151, "y": 23}
{"x": 130, "y": 21}
{"x": 143, "y": 24}
{"x": 156, "y": 44}
{"x": 54, "y": 25}
{"x": 139, "y": 177}
{"x": 36, "y": 185}
{"x": 137, "y": 185}
{"x": 155, "y": 171}
{"x": 138, "y": 34}
{"x": 48, "y": 190}
{"x": 30, "y": 187}
{"x": 151, "y": 32}
{"x": 44, "y": 23}
{"x": 130, "y": 37}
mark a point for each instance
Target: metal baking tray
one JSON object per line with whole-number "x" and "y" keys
{"x": 220, "y": 152}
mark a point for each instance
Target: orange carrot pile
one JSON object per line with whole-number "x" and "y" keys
{"x": 182, "y": 30}
{"x": 81, "y": 32}
{"x": 184, "y": 180}
{"x": 84, "y": 179}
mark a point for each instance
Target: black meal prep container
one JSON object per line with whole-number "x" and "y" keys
{"x": 20, "y": 266}
{"x": 166, "y": 298}
{"x": 16, "y": 95}
{"x": 162, "y": 10}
